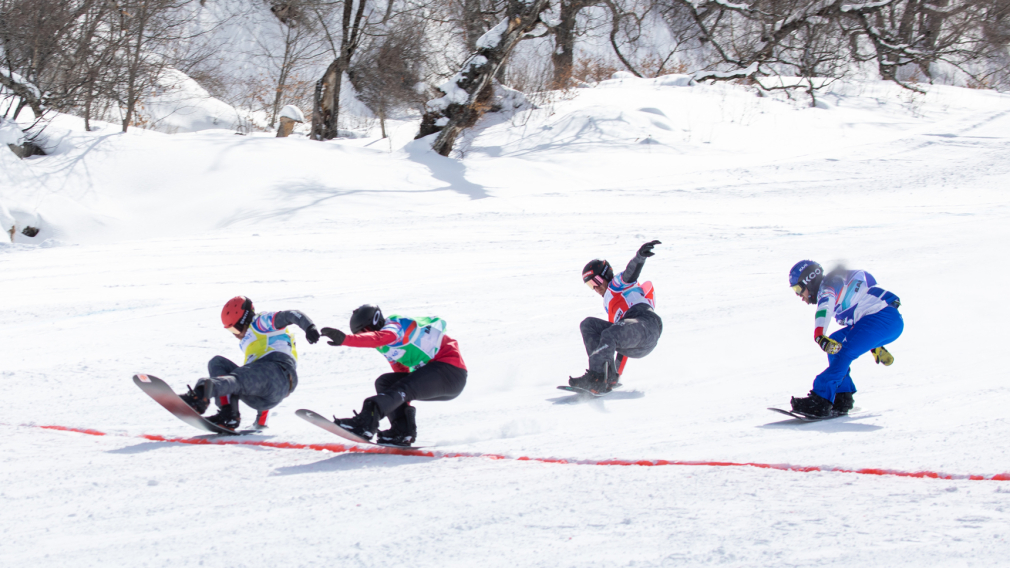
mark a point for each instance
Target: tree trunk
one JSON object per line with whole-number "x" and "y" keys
{"x": 474, "y": 79}
{"x": 563, "y": 56}
{"x": 327, "y": 104}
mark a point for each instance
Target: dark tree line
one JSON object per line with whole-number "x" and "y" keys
{"x": 85, "y": 56}
{"x": 99, "y": 58}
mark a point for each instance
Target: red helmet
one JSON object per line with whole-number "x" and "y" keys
{"x": 238, "y": 313}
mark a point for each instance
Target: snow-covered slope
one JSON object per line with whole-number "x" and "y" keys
{"x": 150, "y": 234}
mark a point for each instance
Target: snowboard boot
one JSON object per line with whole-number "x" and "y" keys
{"x": 812, "y": 405}
{"x": 610, "y": 380}
{"x": 882, "y": 356}
{"x": 195, "y": 398}
{"x": 587, "y": 381}
{"x": 843, "y": 403}
{"x": 227, "y": 415}
{"x": 402, "y": 429}
{"x": 364, "y": 423}
{"x": 261, "y": 420}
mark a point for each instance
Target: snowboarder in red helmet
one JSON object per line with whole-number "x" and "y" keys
{"x": 268, "y": 374}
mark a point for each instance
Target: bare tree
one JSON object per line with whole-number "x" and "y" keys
{"x": 389, "y": 69}
{"x": 144, "y": 31}
{"x": 33, "y": 37}
{"x": 326, "y": 108}
{"x": 565, "y": 32}
{"x": 808, "y": 37}
{"x": 468, "y": 93}
{"x": 301, "y": 45}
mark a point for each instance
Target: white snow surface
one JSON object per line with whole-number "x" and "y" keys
{"x": 147, "y": 234}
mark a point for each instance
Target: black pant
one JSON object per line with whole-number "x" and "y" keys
{"x": 634, "y": 336}
{"x": 434, "y": 381}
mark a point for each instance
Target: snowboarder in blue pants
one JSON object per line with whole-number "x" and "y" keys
{"x": 871, "y": 319}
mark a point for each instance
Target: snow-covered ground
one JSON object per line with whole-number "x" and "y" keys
{"x": 149, "y": 234}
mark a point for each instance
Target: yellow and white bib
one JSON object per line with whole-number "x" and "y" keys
{"x": 263, "y": 337}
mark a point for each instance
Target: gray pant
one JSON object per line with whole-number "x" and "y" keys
{"x": 262, "y": 384}
{"x": 634, "y": 336}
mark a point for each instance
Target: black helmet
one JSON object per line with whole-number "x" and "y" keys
{"x": 367, "y": 318}
{"x": 597, "y": 272}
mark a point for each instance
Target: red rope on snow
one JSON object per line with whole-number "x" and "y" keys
{"x": 342, "y": 448}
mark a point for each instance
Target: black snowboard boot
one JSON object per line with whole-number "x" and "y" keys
{"x": 843, "y": 403}
{"x": 402, "y": 429}
{"x": 610, "y": 380}
{"x": 364, "y": 423}
{"x": 227, "y": 416}
{"x": 587, "y": 381}
{"x": 195, "y": 398}
{"x": 812, "y": 405}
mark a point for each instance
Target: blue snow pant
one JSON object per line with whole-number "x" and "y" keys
{"x": 870, "y": 332}
{"x": 262, "y": 384}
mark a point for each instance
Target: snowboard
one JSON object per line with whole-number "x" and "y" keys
{"x": 165, "y": 396}
{"x": 806, "y": 418}
{"x": 587, "y": 392}
{"x": 332, "y": 428}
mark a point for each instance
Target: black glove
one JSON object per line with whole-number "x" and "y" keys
{"x": 336, "y": 336}
{"x": 312, "y": 334}
{"x": 646, "y": 249}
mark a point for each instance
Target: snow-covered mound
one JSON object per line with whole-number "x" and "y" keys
{"x": 153, "y": 232}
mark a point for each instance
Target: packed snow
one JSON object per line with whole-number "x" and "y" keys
{"x": 145, "y": 235}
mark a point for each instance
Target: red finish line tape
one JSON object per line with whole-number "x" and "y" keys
{"x": 342, "y": 448}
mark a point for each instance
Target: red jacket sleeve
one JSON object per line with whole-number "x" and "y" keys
{"x": 370, "y": 339}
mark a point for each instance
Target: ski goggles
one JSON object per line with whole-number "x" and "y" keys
{"x": 798, "y": 289}
{"x": 595, "y": 281}
{"x": 235, "y": 331}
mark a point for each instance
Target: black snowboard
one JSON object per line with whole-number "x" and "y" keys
{"x": 806, "y": 418}
{"x": 587, "y": 392}
{"x": 332, "y": 428}
{"x": 165, "y": 396}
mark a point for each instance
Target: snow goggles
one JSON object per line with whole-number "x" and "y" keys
{"x": 234, "y": 330}
{"x": 595, "y": 281}
{"x": 798, "y": 289}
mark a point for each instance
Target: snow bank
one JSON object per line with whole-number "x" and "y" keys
{"x": 10, "y": 132}
{"x": 179, "y": 104}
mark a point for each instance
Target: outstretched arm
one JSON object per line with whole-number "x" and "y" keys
{"x": 634, "y": 269}
{"x": 285, "y": 318}
{"x": 363, "y": 339}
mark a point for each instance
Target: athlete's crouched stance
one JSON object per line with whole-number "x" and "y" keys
{"x": 872, "y": 321}
{"x": 632, "y": 327}
{"x": 268, "y": 375}
{"x": 426, "y": 366}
